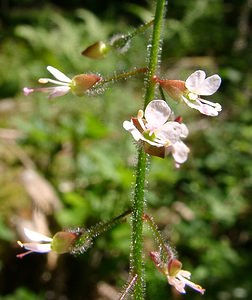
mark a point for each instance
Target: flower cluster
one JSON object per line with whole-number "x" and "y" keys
{"x": 78, "y": 85}
{"x": 159, "y": 136}
{"x": 191, "y": 90}
{"x": 175, "y": 275}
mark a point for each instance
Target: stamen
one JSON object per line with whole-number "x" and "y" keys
{"x": 27, "y": 91}
{"x": 47, "y": 80}
{"x": 20, "y": 244}
{"x": 21, "y": 255}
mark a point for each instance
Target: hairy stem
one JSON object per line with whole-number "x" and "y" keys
{"x": 155, "y": 51}
{"x": 138, "y": 207}
{"x": 120, "y": 76}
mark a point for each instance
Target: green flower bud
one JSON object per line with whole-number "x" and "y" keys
{"x": 63, "y": 241}
{"x": 96, "y": 51}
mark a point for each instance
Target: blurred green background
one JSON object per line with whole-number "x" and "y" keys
{"x": 68, "y": 162}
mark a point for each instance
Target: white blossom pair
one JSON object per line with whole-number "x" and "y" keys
{"x": 159, "y": 136}
{"x": 191, "y": 90}
{"x": 78, "y": 85}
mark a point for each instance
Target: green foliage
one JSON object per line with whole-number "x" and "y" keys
{"x": 24, "y": 294}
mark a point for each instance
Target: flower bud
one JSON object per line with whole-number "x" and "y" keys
{"x": 174, "y": 266}
{"x": 174, "y": 88}
{"x": 96, "y": 50}
{"x": 63, "y": 241}
{"x": 81, "y": 83}
{"x": 120, "y": 42}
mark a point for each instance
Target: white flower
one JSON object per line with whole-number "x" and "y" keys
{"x": 181, "y": 279}
{"x": 40, "y": 243}
{"x": 78, "y": 85}
{"x": 62, "y": 87}
{"x": 198, "y": 85}
{"x": 172, "y": 270}
{"x": 159, "y": 136}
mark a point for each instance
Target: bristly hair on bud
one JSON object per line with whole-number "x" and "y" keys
{"x": 83, "y": 241}
{"x": 120, "y": 42}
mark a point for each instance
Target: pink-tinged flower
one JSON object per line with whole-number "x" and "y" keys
{"x": 78, "y": 85}
{"x": 159, "y": 136}
{"x": 190, "y": 91}
{"x": 61, "y": 242}
{"x": 39, "y": 243}
{"x": 175, "y": 275}
{"x": 180, "y": 278}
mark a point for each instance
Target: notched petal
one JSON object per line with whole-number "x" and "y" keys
{"x": 157, "y": 112}
{"x": 210, "y": 85}
{"x": 195, "y": 80}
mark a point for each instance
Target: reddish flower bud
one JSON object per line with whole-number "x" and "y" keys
{"x": 179, "y": 119}
{"x": 174, "y": 266}
{"x": 174, "y": 88}
{"x": 81, "y": 83}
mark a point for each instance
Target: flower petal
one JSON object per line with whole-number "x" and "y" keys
{"x": 180, "y": 152}
{"x": 133, "y": 130}
{"x": 185, "y": 274}
{"x": 184, "y": 131}
{"x": 179, "y": 285}
{"x": 210, "y": 85}
{"x": 157, "y": 113}
{"x": 58, "y": 74}
{"x": 40, "y": 248}
{"x": 203, "y": 108}
{"x": 191, "y": 284}
{"x": 35, "y": 236}
{"x": 58, "y": 91}
{"x": 170, "y": 132}
{"x": 195, "y": 80}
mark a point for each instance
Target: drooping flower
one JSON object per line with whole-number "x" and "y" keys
{"x": 60, "y": 243}
{"x": 181, "y": 278}
{"x": 191, "y": 90}
{"x": 78, "y": 85}
{"x": 40, "y": 243}
{"x": 159, "y": 136}
{"x": 175, "y": 275}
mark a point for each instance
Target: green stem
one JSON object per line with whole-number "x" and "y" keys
{"x": 124, "y": 39}
{"x": 155, "y": 51}
{"x": 120, "y": 76}
{"x": 164, "y": 247}
{"x": 87, "y": 236}
{"x": 156, "y": 232}
{"x": 138, "y": 207}
{"x": 137, "y": 227}
{"x": 141, "y": 29}
{"x": 102, "y": 227}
